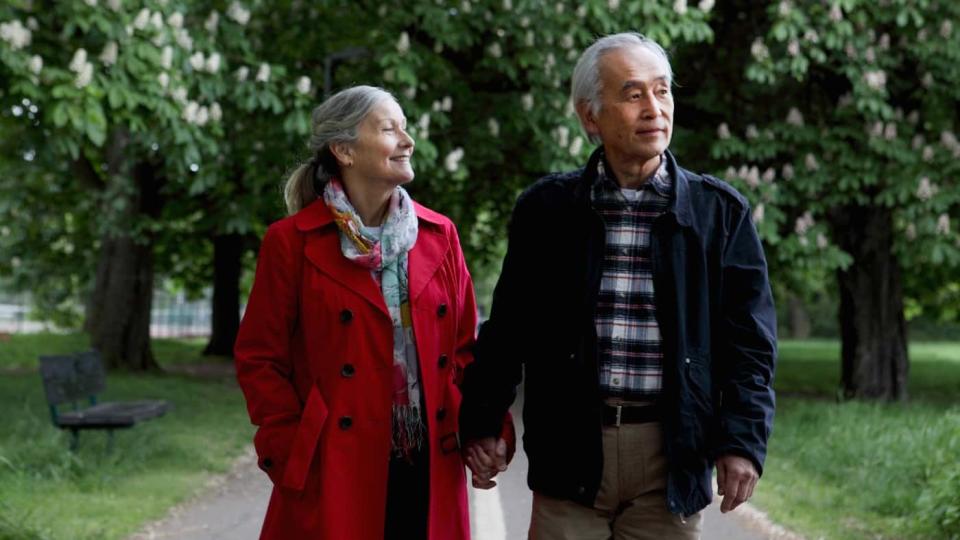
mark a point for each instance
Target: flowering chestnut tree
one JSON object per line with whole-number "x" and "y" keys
{"x": 844, "y": 139}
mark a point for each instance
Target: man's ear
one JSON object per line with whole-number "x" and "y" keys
{"x": 587, "y": 118}
{"x": 343, "y": 153}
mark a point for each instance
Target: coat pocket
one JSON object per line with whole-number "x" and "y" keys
{"x": 305, "y": 440}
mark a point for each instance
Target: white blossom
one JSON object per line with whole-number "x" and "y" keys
{"x": 890, "y": 131}
{"x": 495, "y": 50}
{"x": 752, "y": 132}
{"x": 180, "y": 95}
{"x": 403, "y": 44}
{"x": 494, "y": 127}
{"x": 706, "y": 5}
{"x": 926, "y": 189}
{"x": 410, "y": 92}
{"x": 142, "y": 19}
{"x": 822, "y": 241}
{"x": 423, "y": 123}
{"x": 949, "y": 140}
{"x": 524, "y": 22}
{"x": 743, "y": 172}
{"x": 527, "y": 101}
{"x": 769, "y": 175}
{"x": 507, "y": 5}
{"x": 753, "y": 177}
{"x": 917, "y": 142}
{"x": 811, "y": 35}
{"x": 943, "y": 224}
{"x": 156, "y": 19}
{"x": 795, "y": 117}
{"x": 562, "y": 136}
{"x": 845, "y": 100}
{"x": 447, "y": 104}
{"x": 175, "y": 20}
{"x": 566, "y": 41}
{"x": 35, "y": 64}
{"x": 723, "y": 131}
{"x": 911, "y": 232}
{"x": 197, "y": 61}
{"x": 680, "y": 7}
{"x": 213, "y": 62}
{"x": 836, "y": 14}
{"x": 452, "y": 161}
{"x": 759, "y": 50}
{"x": 884, "y": 42}
{"x": 793, "y": 48}
{"x": 115, "y": 5}
{"x": 946, "y": 28}
{"x": 109, "y": 54}
{"x": 811, "y": 162}
{"x": 870, "y": 55}
{"x": 613, "y": 4}
{"x": 190, "y": 112}
{"x": 303, "y": 85}
{"x": 164, "y": 80}
{"x": 730, "y": 172}
{"x": 549, "y": 61}
{"x": 203, "y": 116}
{"x": 530, "y": 38}
{"x": 803, "y": 223}
{"x": 166, "y": 57}
{"x": 787, "y": 172}
{"x": 928, "y": 153}
{"x": 84, "y": 75}
{"x": 758, "y": 213}
{"x": 183, "y": 38}
{"x": 213, "y": 20}
{"x": 263, "y": 73}
{"x": 927, "y": 80}
{"x": 15, "y": 262}
{"x": 435, "y": 106}
{"x": 784, "y": 8}
{"x": 216, "y": 113}
{"x": 91, "y": 3}
{"x": 14, "y": 33}
{"x": 576, "y": 146}
{"x": 582, "y": 11}
{"x": 913, "y": 117}
{"x": 238, "y": 13}
{"x": 78, "y": 61}
{"x": 876, "y": 79}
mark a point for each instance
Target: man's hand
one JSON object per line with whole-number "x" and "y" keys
{"x": 736, "y": 477}
{"x": 486, "y": 457}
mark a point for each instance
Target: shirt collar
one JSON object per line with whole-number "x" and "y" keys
{"x": 660, "y": 181}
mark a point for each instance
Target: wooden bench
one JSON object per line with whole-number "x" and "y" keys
{"x": 78, "y": 377}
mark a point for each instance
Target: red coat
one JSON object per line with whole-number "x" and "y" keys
{"x": 314, "y": 359}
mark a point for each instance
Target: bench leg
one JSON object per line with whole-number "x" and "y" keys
{"x": 74, "y": 440}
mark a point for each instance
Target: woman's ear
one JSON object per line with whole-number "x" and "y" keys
{"x": 343, "y": 153}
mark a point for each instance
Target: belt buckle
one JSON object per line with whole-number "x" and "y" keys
{"x": 619, "y": 410}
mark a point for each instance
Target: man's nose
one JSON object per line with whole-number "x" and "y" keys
{"x": 650, "y": 106}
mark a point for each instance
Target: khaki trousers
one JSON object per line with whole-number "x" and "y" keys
{"x": 631, "y": 503}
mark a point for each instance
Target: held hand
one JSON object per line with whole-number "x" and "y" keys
{"x": 485, "y": 457}
{"x": 736, "y": 478}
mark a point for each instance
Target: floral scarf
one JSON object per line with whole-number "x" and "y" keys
{"x": 386, "y": 257}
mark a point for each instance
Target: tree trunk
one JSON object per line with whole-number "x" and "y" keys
{"x": 872, "y": 324}
{"x": 227, "y": 256}
{"x": 118, "y": 315}
{"x": 798, "y": 317}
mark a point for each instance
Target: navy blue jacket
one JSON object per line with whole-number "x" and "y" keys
{"x": 716, "y": 317}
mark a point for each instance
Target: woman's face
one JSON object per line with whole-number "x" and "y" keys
{"x": 383, "y": 149}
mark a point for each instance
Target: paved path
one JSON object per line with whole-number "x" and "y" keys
{"x": 232, "y": 508}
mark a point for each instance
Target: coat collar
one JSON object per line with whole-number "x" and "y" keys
{"x": 680, "y": 204}
{"x": 322, "y": 249}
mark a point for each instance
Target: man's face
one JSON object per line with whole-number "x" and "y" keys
{"x": 635, "y": 120}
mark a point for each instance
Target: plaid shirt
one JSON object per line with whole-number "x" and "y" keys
{"x": 631, "y": 360}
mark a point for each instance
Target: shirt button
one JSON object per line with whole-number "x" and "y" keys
{"x": 443, "y": 361}
{"x": 687, "y": 360}
{"x": 441, "y": 413}
{"x": 347, "y": 370}
{"x": 345, "y": 422}
{"x": 346, "y": 316}
{"x": 616, "y": 381}
{"x": 442, "y": 310}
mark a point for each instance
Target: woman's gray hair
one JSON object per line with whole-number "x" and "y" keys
{"x": 585, "y": 84}
{"x": 335, "y": 121}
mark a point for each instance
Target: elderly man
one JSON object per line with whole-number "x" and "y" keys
{"x": 635, "y": 293}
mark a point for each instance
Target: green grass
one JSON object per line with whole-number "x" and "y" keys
{"x": 858, "y": 470}
{"x": 48, "y": 492}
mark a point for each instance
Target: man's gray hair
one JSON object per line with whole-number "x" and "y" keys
{"x": 335, "y": 121}
{"x": 585, "y": 85}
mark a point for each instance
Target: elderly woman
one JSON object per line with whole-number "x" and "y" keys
{"x": 359, "y": 323}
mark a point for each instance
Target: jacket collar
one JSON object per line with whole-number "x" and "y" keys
{"x": 680, "y": 190}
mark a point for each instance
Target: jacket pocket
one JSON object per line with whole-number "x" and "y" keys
{"x": 305, "y": 441}
{"x": 696, "y": 402}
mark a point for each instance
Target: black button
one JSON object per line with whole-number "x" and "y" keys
{"x": 266, "y": 463}
{"x": 347, "y": 370}
{"x": 345, "y": 422}
{"x": 442, "y": 310}
{"x": 346, "y": 316}
{"x": 441, "y": 413}
{"x": 443, "y": 361}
